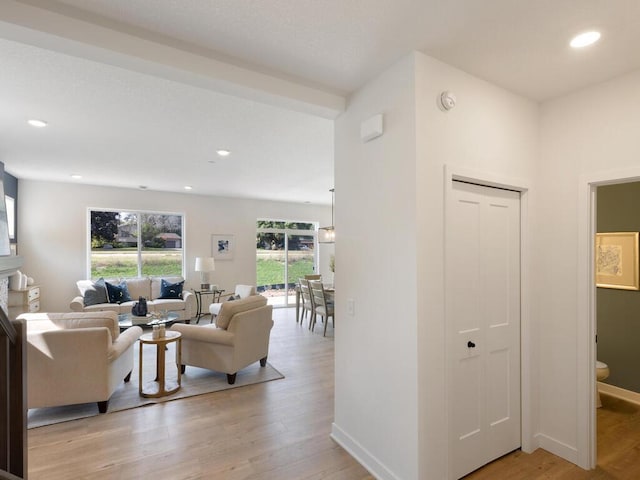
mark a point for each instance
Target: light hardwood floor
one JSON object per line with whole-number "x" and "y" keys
{"x": 277, "y": 430}
{"x": 618, "y": 452}
{"x": 274, "y": 430}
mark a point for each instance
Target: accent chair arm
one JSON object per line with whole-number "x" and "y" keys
{"x": 77, "y": 304}
{"x": 124, "y": 341}
{"x": 204, "y": 334}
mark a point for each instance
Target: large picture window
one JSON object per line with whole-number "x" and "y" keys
{"x": 133, "y": 244}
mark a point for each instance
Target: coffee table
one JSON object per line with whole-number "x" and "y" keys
{"x": 126, "y": 320}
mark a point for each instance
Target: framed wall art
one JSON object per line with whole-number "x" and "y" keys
{"x": 222, "y": 246}
{"x": 616, "y": 260}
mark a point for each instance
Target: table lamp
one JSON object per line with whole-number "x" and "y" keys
{"x": 204, "y": 265}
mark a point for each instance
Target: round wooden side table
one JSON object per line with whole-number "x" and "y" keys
{"x": 160, "y": 387}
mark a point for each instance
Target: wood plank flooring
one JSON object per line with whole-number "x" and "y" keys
{"x": 274, "y": 430}
{"x": 277, "y": 430}
{"x": 618, "y": 452}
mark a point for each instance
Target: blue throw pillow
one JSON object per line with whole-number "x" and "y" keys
{"x": 170, "y": 290}
{"x": 96, "y": 293}
{"x": 118, "y": 293}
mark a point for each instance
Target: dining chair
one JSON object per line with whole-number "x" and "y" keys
{"x": 321, "y": 306}
{"x": 307, "y": 301}
{"x": 313, "y": 277}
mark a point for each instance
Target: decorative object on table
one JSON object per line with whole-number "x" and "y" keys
{"x": 204, "y": 265}
{"x": 328, "y": 234}
{"x": 616, "y": 260}
{"x": 18, "y": 281}
{"x": 222, "y": 246}
{"x": 139, "y": 308}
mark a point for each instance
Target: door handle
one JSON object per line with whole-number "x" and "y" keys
{"x": 470, "y": 344}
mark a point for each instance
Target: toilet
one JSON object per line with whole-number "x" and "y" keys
{"x": 602, "y": 372}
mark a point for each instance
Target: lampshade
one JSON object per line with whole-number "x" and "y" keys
{"x": 328, "y": 234}
{"x": 205, "y": 264}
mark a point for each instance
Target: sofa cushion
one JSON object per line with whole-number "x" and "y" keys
{"x": 171, "y": 290}
{"x": 95, "y": 293}
{"x": 118, "y": 293}
{"x": 171, "y": 304}
{"x": 229, "y": 309}
{"x": 139, "y": 287}
{"x": 156, "y": 281}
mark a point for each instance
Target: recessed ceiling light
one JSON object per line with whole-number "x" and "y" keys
{"x": 76, "y": 176}
{"x": 585, "y": 39}
{"x": 223, "y": 153}
{"x": 188, "y": 187}
{"x": 37, "y": 123}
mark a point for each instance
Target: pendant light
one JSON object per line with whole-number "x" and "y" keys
{"x": 328, "y": 234}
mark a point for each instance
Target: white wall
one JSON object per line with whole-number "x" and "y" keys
{"x": 591, "y": 133}
{"x": 493, "y": 134}
{"x": 390, "y": 383}
{"x": 375, "y": 349}
{"x": 54, "y": 227}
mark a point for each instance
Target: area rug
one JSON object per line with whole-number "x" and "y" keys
{"x": 195, "y": 381}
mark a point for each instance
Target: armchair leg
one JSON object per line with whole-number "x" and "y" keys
{"x": 183, "y": 368}
{"x": 128, "y": 377}
{"x": 263, "y": 361}
{"x": 231, "y": 378}
{"x": 102, "y": 406}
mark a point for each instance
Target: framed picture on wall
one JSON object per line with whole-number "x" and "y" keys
{"x": 222, "y": 246}
{"x": 616, "y": 260}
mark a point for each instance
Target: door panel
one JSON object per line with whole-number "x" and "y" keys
{"x": 483, "y": 318}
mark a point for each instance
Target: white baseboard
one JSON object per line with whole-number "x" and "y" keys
{"x": 558, "y": 448}
{"x": 357, "y": 451}
{"x": 620, "y": 393}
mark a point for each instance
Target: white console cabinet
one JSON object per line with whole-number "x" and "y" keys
{"x": 24, "y": 301}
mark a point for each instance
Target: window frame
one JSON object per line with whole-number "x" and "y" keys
{"x": 138, "y": 213}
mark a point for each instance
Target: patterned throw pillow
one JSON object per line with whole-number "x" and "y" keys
{"x": 118, "y": 293}
{"x": 170, "y": 290}
{"x": 96, "y": 293}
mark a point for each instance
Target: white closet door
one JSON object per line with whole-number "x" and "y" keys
{"x": 483, "y": 322}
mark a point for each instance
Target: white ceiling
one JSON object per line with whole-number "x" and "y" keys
{"x": 261, "y": 78}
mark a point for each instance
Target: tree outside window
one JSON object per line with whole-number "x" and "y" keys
{"x": 131, "y": 244}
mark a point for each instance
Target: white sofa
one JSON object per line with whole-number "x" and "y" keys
{"x": 76, "y": 358}
{"x": 147, "y": 287}
{"x": 240, "y": 338}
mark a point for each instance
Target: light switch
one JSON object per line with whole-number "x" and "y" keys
{"x": 351, "y": 306}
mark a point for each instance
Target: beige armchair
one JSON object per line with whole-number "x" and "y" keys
{"x": 76, "y": 357}
{"x": 242, "y": 291}
{"x": 239, "y": 338}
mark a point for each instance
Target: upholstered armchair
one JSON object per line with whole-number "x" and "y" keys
{"x": 239, "y": 338}
{"x": 76, "y": 357}
{"x": 241, "y": 291}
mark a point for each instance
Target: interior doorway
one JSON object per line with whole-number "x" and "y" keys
{"x": 617, "y": 307}
{"x": 587, "y": 310}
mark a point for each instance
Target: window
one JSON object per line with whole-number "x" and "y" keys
{"x": 285, "y": 251}
{"x": 133, "y": 244}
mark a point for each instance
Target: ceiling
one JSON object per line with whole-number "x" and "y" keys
{"x": 143, "y": 92}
